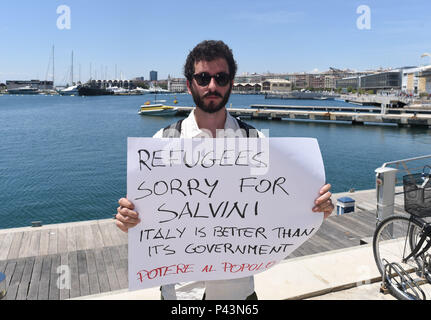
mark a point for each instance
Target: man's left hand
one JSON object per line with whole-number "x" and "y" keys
{"x": 324, "y": 203}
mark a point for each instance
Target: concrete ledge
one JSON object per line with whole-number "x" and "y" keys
{"x": 318, "y": 274}
{"x": 297, "y": 278}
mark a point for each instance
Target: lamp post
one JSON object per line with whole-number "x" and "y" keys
{"x": 426, "y": 54}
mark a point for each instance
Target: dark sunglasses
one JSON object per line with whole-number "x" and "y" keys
{"x": 204, "y": 78}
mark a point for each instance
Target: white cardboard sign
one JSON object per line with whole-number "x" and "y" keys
{"x": 215, "y": 209}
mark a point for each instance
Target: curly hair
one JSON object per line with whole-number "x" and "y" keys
{"x": 209, "y": 50}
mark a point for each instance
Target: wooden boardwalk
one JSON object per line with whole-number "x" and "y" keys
{"x": 36, "y": 261}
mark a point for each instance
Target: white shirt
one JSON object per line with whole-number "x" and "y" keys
{"x": 232, "y": 289}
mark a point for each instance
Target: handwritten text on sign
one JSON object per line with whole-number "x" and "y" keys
{"x": 219, "y": 208}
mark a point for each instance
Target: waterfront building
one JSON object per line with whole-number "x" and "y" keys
{"x": 177, "y": 84}
{"x": 153, "y": 75}
{"x": 425, "y": 81}
{"x": 249, "y": 78}
{"x": 330, "y": 82}
{"x": 317, "y": 81}
{"x": 348, "y": 83}
{"x": 247, "y": 88}
{"x": 276, "y": 85}
{"x": 416, "y": 80}
{"x": 35, "y": 84}
{"x": 381, "y": 81}
{"x": 300, "y": 80}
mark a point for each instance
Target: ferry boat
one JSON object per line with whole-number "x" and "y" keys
{"x": 157, "y": 110}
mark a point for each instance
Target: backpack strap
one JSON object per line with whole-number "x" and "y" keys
{"x": 250, "y": 131}
{"x": 173, "y": 130}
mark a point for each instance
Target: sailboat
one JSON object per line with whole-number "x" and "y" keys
{"x": 72, "y": 90}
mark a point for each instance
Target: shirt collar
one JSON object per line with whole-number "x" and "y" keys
{"x": 191, "y": 128}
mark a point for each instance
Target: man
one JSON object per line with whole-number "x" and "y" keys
{"x": 210, "y": 71}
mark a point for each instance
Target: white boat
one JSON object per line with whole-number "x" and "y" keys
{"x": 157, "y": 110}
{"x": 70, "y": 91}
{"x": 24, "y": 90}
{"x": 117, "y": 90}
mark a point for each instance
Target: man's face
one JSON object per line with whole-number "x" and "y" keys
{"x": 212, "y": 97}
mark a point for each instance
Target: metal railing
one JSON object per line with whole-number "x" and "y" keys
{"x": 388, "y": 176}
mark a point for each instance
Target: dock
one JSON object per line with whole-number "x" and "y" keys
{"x": 355, "y": 117}
{"x": 94, "y": 254}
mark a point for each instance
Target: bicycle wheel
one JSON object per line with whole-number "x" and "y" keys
{"x": 394, "y": 239}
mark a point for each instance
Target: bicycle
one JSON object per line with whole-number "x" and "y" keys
{"x": 401, "y": 242}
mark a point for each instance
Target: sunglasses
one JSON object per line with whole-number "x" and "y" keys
{"x": 204, "y": 78}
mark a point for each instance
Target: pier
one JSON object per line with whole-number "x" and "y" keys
{"x": 330, "y": 114}
{"x": 94, "y": 253}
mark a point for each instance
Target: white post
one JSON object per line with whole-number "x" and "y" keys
{"x": 385, "y": 187}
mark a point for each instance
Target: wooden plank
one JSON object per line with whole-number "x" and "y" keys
{"x": 5, "y": 246}
{"x": 61, "y": 240}
{"x": 92, "y": 272}
{"x": 12, "y": 290}
{"x": 33, "y": 249}
{"x": 101, "y": 271}
{"x": 88, "y": 237}
{"x": 15, "y": 246}
{"x": 336, "y": 239}
{"x": 344, "y": 227}
{"x": 43, "y": 292}
{"x": 65, "y": 289}
{"x": 107, "y": 240}
{"x": 110, "y": 269}
{"x": 118, "y": 237}
{"x": 71, "y": 239}
{"x": 44, "y": 243}
{"x": 35, "y": 278}
{"x": 80, "y": 238}
{"x": 355, "y": 220}
{"x": 74, "y": 274}
{"x": 350, "y": 227}
{"x": 97, "y": 235}
{"x": 2, "y": 236}
{"x": 55, "y": 278}
{"x": 124, "y": 254}
{"x": 84, "y": 285}
{"x": 120, "y": 271}
{"x": 25, "y": 280}
{"x": 52, "y": 248}
{"x": 8, "y": 272}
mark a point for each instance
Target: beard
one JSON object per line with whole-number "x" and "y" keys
{"x": 211, "y": 107}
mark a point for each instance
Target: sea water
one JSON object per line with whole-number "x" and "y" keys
{"x": 63, "y": 159}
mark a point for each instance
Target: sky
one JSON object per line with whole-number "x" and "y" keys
{"x": 137, "y": 36}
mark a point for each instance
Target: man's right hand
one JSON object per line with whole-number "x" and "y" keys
{"x": 126, "y": 217}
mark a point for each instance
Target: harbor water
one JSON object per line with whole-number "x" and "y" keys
{"x": 63, "y": 159}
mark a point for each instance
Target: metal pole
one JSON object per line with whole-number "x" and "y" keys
{"x": 385, "y": 188}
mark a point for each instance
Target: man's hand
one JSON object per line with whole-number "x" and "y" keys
{"x": 324, "y": 203}
{"x": 126, "y": 217}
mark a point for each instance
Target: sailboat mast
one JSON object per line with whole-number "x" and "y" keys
{"x": 72, "y": 70}
{"x": 53, "y": 68}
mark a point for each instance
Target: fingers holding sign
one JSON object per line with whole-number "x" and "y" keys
{"x": 324, "y": 203}
{"x": 126, "y": 217}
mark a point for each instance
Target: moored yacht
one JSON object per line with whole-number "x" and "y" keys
{"x": 70, "y": 91}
